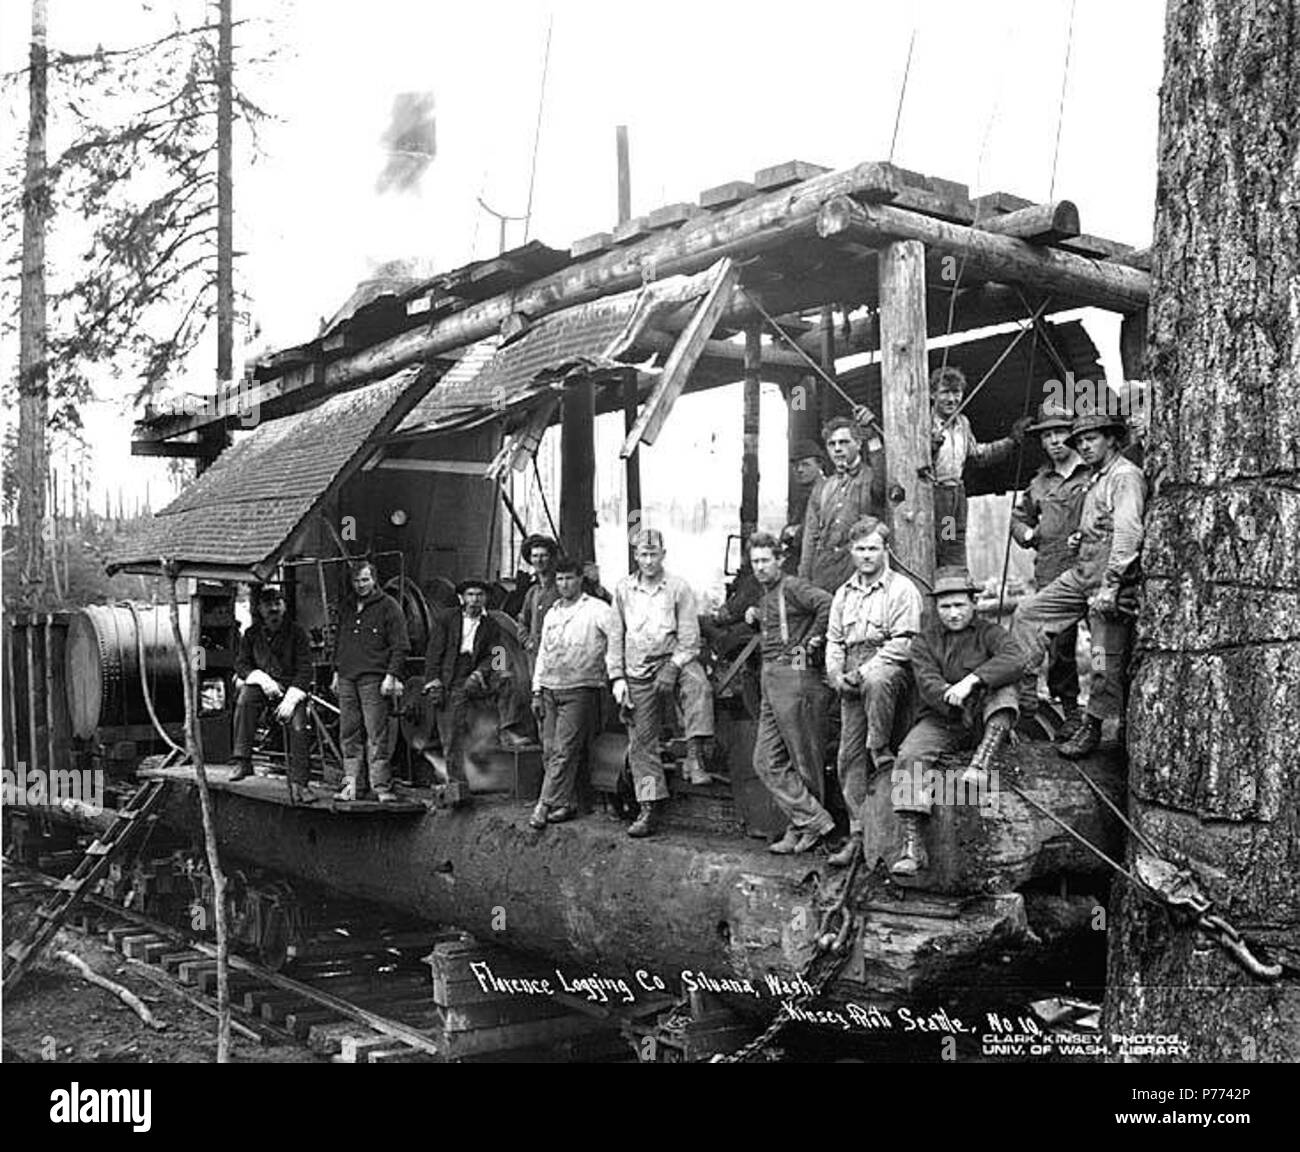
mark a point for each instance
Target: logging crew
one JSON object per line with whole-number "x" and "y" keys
{"x": 568, "y": 682}
{"x": 837, "y": 502}
{"x": 789, "y": 745}
{"x": 652, "y": 660}
{"x": 966, "y": 671}
{"x": 1102, "y": 582}
{"x": 874, "y": 616}
{"x": 466, "y": 661}
{"x": 369, "y": 663}
{"x": 1046, "y": 515}
{"x": 274, "y": 662}
{"x": 953, "y": 445}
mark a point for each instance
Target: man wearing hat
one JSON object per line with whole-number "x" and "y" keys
{"x": 274, "y": 663}
{"x": 540, "y": 552}
{"x": 1046, "y": 515}
{"x": 463, "y": 662}
{"x": 837, "y": 502}
{"x": 370, "y": 661}
{"x": 966, "y": 670}
{"x": 806, "y": 459}
{"x": 652, "y": 660}
{"x": 1108, "y": 546}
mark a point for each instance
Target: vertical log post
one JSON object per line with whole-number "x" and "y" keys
{"x": 905, "y": 397}
{"x": 631, "y": 468}
{"x": 749, "y": 457}
{"x": 578, "y": 470}
{"x": 802, "y": 424}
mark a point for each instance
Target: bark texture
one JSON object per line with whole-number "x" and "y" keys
{"x": 1215, "y": 706}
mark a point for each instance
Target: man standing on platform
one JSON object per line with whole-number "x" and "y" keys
{"x": 874, "y": 616}
{"x": 540, "y": 552}
{"x": 654, "y": 644}
{"x": 837, "y": 502}
{"x": 1046, "y": 515}
{"x": 274, "y": 663}
{"x": 369, "y": 662}
{"x": 568, "y": 682}
{"x": 788, "y": 748}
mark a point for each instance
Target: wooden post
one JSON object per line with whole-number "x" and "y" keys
{"x": 905, "y": 397}
{"x": 632, "y": 467}
{"x": 749, "y": 459}
{"x": 830, "y": 403}
{"x": 624, "y": 176}
{"x": 578, "y": 469}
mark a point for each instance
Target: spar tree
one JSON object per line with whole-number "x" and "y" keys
{"x": 1214, "y": 753}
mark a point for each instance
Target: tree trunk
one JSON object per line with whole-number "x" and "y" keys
{"x": 33, "y": 372}
{"x": 1215, "y": 745}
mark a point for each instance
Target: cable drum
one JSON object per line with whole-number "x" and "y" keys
{"x": 103, "y": 667}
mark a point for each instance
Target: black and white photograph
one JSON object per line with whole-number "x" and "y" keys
{"x": 712, "y": 532}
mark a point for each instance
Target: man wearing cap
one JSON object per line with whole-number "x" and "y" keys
{"x": 370, "y": 660}
{"x": 274, "y": 663}
{"x": 873, "y": 618}
{"x": 568, "y": 683}
{"x": 652, "y": 660}
{"x": 789, "y": 744}
{"x": 806, "y": 461}
{"x": 953, "y": 444}
{"x": 1101, "y": 582}
{"x": 966, "y": 669}
{"x": 465, "y": 661}
{"x": 837, "y": 502}
{"x": 539, "y": 551}
{"x": 1046, "y": 515}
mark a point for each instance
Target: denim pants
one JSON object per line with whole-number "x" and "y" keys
{"x": 866, "y": 724}
{"x": 248, "y": 711}
{"x": 694, "y": 698}
{"x": 569, "y": 724}
{"x": 788, "y": 748}
{"x": 363, "y": 729}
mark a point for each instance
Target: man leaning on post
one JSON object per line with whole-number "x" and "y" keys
{"x": 652, "y": 660}
{"x": 369, "y": 662}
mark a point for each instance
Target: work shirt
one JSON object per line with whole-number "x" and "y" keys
{"x": 941, "y": 658}
{"x": 573, "y": 645}
{"x": 540, "y": 596}
{"x": 959, "y": 445}
{"x": 1051, "y": 506}
{"x": 372, "y": 639}
{"x": 1110, "y": 524}
{"x": 284, "y": 655}
{"x": 836, "y": 503}
{"x": 871, "y": 620}
{"x": 649, "y": 623}
{"x": 468, "y": 630}
{"x": 792, "y": 612}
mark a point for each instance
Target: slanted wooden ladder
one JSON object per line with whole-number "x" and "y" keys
{"x": 132, "y": 817}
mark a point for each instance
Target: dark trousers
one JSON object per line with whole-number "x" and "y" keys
{"x": 650, "y": 711}
{"x": 950, "y": 525}
{"x": 248, "y": 712}
{"x": 363, "y": 729}
{"x": 788, "y": 747}
{"x": 1063, "y": 668}
{"x": 866, "y": 725}
{"x": 569, "y": 724}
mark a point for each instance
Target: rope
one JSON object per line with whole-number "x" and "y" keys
{"x": 1015, "y": 492}
{"x": 541, "y": 490}
{"x": 902, "y": 93}
{"x": 1060, "y": 108}
{"x": 1033, "y": 320}
{"x": 537, "y": 131}
{"x": 144, "y": 681}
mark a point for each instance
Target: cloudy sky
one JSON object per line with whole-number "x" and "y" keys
{"x": 710, "y": 92}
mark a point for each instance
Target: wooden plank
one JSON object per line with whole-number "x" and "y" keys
{"x": 35, "y": 654}
{"x": 1039, "y": 223}
{"x": 960, "y": 211}
{"x": 624, "y": 163}
{"x": 783, "y": 175}
{"x": 56, "y": 691}
{"x": 175, "y": 449}
{"x": 12, "y": 697}
{"x": 725, "y": 195}
{"x": 905, "y": 398}
{"x": 670, "y": 215}
{"x": 632, "y": 466}
{"x": 459, "y": 1045}
{"x": 682, "y": 359}
{"x": 995, "y": 203}
{"x": 1085, "y": 244}
{"x": 588, "y": 245}
{"x": 630, "y": 230}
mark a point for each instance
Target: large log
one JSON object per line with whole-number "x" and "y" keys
{"x": 1113, "y": 286}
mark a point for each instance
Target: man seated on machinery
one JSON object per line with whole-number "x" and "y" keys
{"x": 275, "y": 667}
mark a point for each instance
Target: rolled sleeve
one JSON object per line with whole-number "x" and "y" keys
{"x": 1126, "y": 537}
{"x": 687, "y": 647}
{"x": 617, "y": 633}
{"x": 836, "y": 650}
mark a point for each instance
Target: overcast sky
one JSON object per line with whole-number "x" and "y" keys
{"x": 710, "y": 91}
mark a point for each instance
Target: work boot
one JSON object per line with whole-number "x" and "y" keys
{"x": 563, "y": 814}
{"x": 787, "y": 844}
{"x": 809, "y": 838}
{"x": 386, "y": 796}
{"x": 846, "y": 854}
{"x": 995, "y": 732}
{"x": 348, "y": 792}
{"x": 538, "y": 818}
{"x": 913, "y": 858}
{"x": 513, "y": 741}
{"x": 1073, "y": 718}
{"x": 243, "y": 770}
{"x": 1084, "y": 741}
{"x": 644, "y": 824}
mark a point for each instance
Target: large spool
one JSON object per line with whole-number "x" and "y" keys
{"x": 103, "y": 666}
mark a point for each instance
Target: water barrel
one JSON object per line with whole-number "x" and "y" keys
{"x": 103, "y": 667}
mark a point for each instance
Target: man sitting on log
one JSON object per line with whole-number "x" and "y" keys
{"x": 837, "y": 502}
{"x": 1046, "y": 515}
{"x": 654, "y": 645}
{"x": 966, "y": 669}
{"x": 790, "y": 742}
{"x": 1102, "y": 583}
{"x": 953, "y": 444}
{"x": 568, "y": 681}
{"x": 274, "y": 662}
{"x": 466, "y": 660}
{"x": 874, "y": 616}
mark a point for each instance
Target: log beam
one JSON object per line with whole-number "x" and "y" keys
{"x": 749, "y": 455}
{"x": 1039, "y": 223}
{"x": 1103, "y": 285}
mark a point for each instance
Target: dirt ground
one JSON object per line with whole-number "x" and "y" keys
{"x": 57, "y": 1016}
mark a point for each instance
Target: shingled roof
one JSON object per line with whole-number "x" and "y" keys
{"x": 242, "y": 512}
